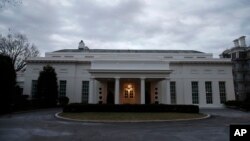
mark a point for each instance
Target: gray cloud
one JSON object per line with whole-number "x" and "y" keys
{"x": 208, "y": 26}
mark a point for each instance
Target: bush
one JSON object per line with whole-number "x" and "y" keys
{"x": 245, "y": 106}
{"x": 79, "y": 107}
{"x": 47, "y": 86}
{"x": 63, "y": 100}
{"x": 233, "y": 103}
{"x": 238, "y": 104}
{"x": 7, "y": 84}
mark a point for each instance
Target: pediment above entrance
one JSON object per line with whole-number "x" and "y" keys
{"x": 130, "y": 65}
{"x": 102, "y": 73}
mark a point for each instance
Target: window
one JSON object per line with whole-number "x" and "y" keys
{"x": 194, "y": 71}
{"x": 233, "y": 55}
{"x": 68, "y": 56}
{"x": 89, "y": 56}
{"x": 221, "y": 71}
{"x": 34, "y": 88}
{"x": 195, "y": 92}
{"x": 207, "y": 71}
{"x": 222, "y": 89}
{"x": 242, "y": 55}
{"x": 173, "y": 92}
{"x": 63, "y": 71}
{"x": 126, "y": 94}
{"x": 129, "y": 92}
{"x": 208, "y": 88}
{"x": 35, "y": 70}
{"x": 188, "y": 57}
{"x": 168, "y": 56}
{"x": 85, "y": 91}
{"x": 62, "y": 87}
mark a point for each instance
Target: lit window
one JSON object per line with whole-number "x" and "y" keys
{"x": 129, "y": 92}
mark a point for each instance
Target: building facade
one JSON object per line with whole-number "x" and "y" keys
{"x": 136, "y": 76}
{"x": 240, "y": 56}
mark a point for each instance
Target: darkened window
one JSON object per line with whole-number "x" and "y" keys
{"x": 34, "y": 88}
{"x": 242, "y": 55}
{"x": 233, "y": 55}
{"x": 226, "y": 55}
{"x": 195, "y": 92}
{"x": 62, "y": 87}
{"x": 222, "y": 89}
{"x": 173, "y": 92}
{"x": 209, "y": 95}
{"x": 85, "y": 91}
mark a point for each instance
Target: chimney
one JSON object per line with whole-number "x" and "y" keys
{"x": 81, "y": 45}
{"x": 242, "y": 41}
{"x": 236, "y": 43}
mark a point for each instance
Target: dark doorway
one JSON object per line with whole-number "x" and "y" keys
{"x": 147, "y": 93}
{"x": 110, "y": 92}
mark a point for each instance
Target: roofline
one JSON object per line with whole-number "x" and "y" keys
{"x": 171, "y": 61}
{"x": 128, "y": 70}
{"x": 128, "y": 51}
{"x": 202, "y": 62}
{"x": 58, "y": 61}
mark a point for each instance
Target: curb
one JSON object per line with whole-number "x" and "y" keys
{"x": 30, "y": 111}
{"x": 26, "y": 111}
{"x": 128, "y": 121}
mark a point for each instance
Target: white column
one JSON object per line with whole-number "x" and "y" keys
{"x": 91, "y": 92}
{"x": 142, "y": 90}
{"x": 117, "y": 90}
{"x": 167, "y": 92}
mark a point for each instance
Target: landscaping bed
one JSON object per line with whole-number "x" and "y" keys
{"x": 126, "y": 116}
{"x": 243, "y": 105}
{"x": 148, "y": 108}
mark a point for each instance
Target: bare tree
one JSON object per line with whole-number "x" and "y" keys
{"x": 19, "y": 49}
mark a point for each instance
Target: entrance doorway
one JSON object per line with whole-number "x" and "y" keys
{"x": 110, "y": 92}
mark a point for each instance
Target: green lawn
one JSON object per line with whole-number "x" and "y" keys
{"x": 130, "y": 116}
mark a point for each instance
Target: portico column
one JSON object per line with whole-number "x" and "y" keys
{"x": 167, "y": 93}
{"x": 91, "y": 92}
{"x": 142, "y": 90}
{"x": 117, "y": 90}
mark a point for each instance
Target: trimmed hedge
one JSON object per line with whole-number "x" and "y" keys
{"x": 79, "y": 107}
{"x": 238, "y": 104}
{"x": 63, "y": 100}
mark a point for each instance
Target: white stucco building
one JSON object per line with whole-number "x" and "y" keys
{"x": 136, "y": 76}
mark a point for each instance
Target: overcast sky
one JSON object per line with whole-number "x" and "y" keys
{"x": 204, "y": 25}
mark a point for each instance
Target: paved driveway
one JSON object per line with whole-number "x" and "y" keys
{"x": 43, "y": 126}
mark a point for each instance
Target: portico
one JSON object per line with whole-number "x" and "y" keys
{"x": 131, "y": 86}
